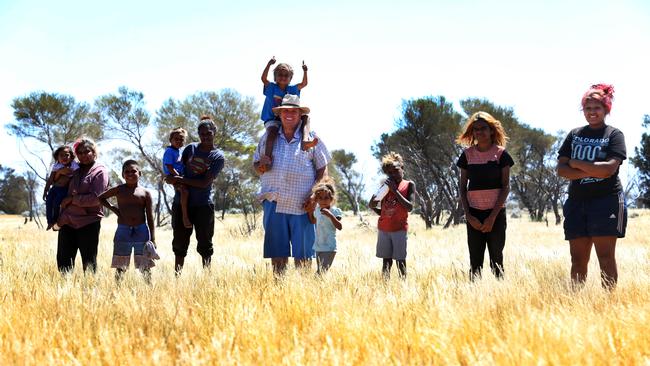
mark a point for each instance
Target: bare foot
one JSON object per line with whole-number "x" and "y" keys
{"x": 306, "y": 145}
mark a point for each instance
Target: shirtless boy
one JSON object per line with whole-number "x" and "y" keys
{"x": 135, "y": 221}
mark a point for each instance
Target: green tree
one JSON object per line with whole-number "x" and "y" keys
{"x": 236, "y": 118}
{"x": 641, "y": 161}
{"x": 425, "y": 137}
{"x": 14, "y": 195}
{"x": 533, "y": 179}
{"x": 349, "y": 182}
{"x": 125, "y": 118}
{"x": 52, "y": 120}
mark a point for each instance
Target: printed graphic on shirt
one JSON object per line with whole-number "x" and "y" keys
{"x": 589, "y": 149}
{"x": 390, "y": 205}
{"x": 198, "y": 165}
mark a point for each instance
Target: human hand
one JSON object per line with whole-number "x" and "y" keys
{"x": 473, "y": 222}
{"x": 569, "y": 163}
{"x": 326, "y": 212}
{"x": 66, "y": 202}
{"x": 173, "y": 179}
{"x": 44, "y": 195}
{"x": 572, "y": 163}
{"x": 264, "y": 164}
{"x": 271, "y": 61}
{"x": 309, "y": 205}
{"x": 373, "y": 202}
{"x": 487, "y": 224}
{"x": 65, "y": 171}
{"x": 304, "y": 67}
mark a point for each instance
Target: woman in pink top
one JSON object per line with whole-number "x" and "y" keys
{"x": 484, "y": 186}
{"x": 81, "y": 210}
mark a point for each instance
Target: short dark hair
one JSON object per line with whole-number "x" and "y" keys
{"x": 208, "y": 123}
{"x": 129, "y": 162}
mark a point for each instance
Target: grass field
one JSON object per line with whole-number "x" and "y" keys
{"x": 237, "y": 314}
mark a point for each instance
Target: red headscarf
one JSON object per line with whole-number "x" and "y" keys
{"x": 78, "y": 141}
{"x": 603, "y": 93}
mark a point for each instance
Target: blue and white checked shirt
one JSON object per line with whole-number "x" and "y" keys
{"x": 293, "y": 173}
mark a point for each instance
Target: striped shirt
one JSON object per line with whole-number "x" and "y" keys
{"x": 484, "y": 174}
{"x": 290, "y": 180}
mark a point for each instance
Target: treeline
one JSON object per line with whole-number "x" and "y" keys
{"x": 425, "y": 136}
{"x": 44, "y": 121}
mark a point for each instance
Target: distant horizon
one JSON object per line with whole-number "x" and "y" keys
{"x": 536, "y": 58}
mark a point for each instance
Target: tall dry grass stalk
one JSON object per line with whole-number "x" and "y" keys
{"x": 236, "y": 313}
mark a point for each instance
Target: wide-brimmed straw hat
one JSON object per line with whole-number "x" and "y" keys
{"x": 290, "y": 101}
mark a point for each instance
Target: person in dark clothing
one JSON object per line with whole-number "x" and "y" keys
{"x": 484, "y": 187}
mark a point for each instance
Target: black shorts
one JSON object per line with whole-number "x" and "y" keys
{"x": 600, "y": 216}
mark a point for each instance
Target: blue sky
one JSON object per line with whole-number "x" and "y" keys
{"x": 364, "y": 57}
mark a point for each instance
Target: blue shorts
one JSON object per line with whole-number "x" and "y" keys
{"x": 287, "y": 235}
{"x": 600, "y": 216}
{"x": 130, "y": 239}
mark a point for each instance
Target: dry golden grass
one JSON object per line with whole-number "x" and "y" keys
{"x": 237, "y": 314}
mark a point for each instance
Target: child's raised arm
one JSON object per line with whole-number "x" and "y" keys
{"x": 303, "y": 83}
{"x": 103, "y": 198}
{"x": 265, "y": 73}
{"x": 149, "y": 213}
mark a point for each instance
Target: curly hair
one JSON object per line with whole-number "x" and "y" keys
{"x": 466, "y": 137}
{"x": 603, "y": 93}
{"x": 389, "y": 160}
{"x": 179, "y": 130}
{"x": 326, "y": 185}
{"x": 280, "y": 67}
{"x": 58, "y": 150}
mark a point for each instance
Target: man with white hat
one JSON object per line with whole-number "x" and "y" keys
{"x": 287, "y": 187}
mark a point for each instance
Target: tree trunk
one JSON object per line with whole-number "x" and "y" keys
{"x": 556, "y": 212}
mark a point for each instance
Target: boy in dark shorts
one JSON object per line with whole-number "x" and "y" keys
{"x": 135, "y": 226}
{"x": 393, "y": 214}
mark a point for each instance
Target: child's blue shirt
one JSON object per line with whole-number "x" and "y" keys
{"x": 274, "y": 97}
{"x": 172, "y": 156}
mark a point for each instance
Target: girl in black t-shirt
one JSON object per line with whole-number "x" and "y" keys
{"x": 484, "y": 186}
{"x": 594, "y": 213}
